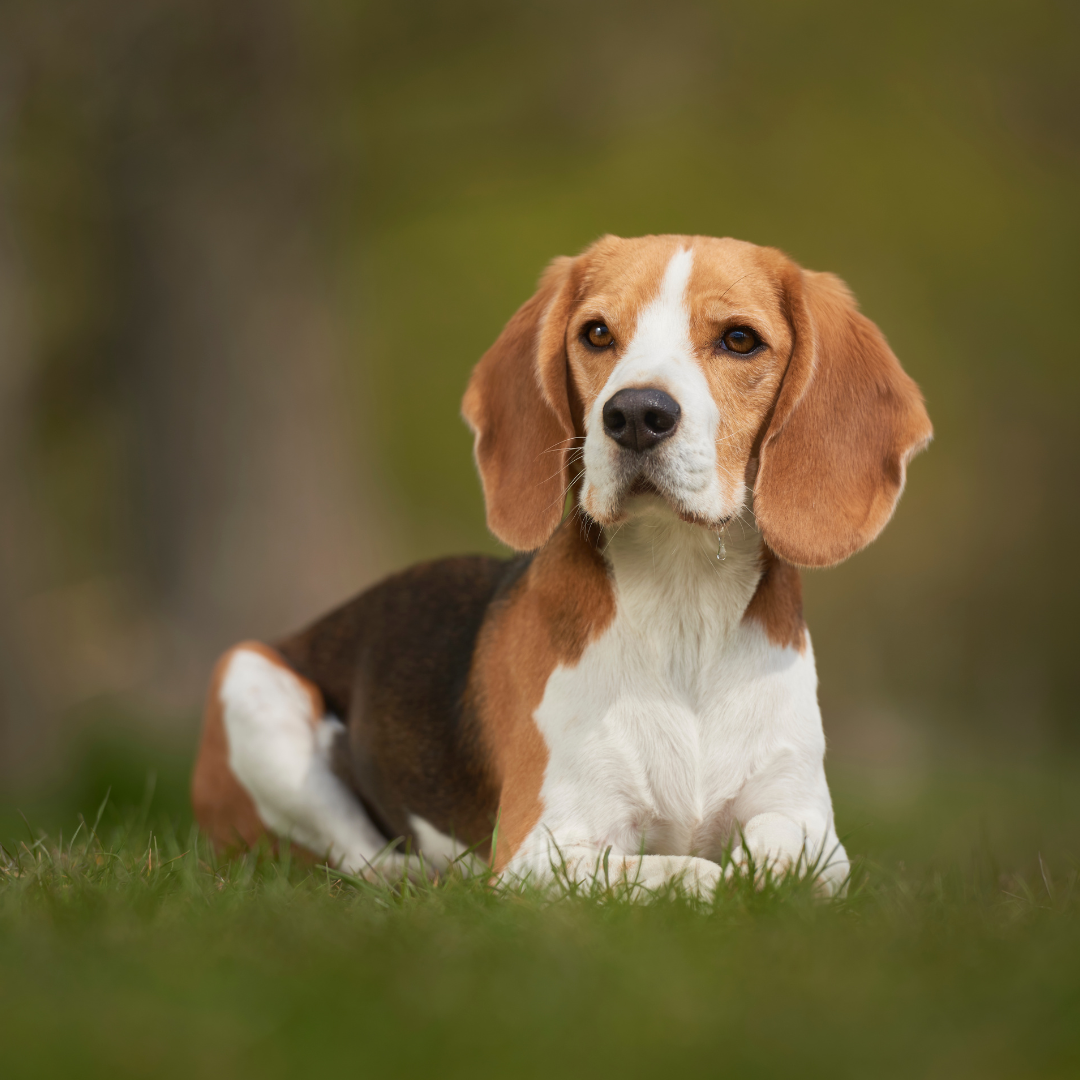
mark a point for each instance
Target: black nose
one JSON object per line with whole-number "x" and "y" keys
{"x": 638, "y": 418}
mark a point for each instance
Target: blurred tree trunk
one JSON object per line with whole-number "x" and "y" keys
{"x": 202, "y": 424}
{"x": 19, "y": 709}
{"x": 251, "y": 512}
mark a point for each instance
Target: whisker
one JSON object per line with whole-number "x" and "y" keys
{"x": 583, "y": 522}
{"x": 737, "y": 431}
{"x": 569, "y": 462}
{"x": 555, "y": 447}
{"x": 565, "y": 490}
{"x": 743, "y": 523}
{"x": 539, "y": 483}
{"x": 611, "y": 538}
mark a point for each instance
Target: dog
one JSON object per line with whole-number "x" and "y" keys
{"x": 666, "y": 432}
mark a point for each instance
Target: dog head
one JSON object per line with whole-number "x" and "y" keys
{"x": 711, "y": 374}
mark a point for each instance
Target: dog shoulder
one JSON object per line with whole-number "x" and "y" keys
{"x": 546, "y": 621}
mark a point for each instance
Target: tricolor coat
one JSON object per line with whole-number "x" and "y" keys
{"x": 639, "y": 684}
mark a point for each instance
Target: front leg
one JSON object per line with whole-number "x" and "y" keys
{"x": 779, "y": 843}
{"x": 546, "y": 861}
{"x": 786, "y": 819}
{"x": 647, "y": 875}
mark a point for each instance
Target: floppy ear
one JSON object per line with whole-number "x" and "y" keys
{"x": 847, "y": 420}
{"x": 518, "y": 407}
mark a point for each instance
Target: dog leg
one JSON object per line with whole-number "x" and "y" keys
{"x": 278, "y": 742}
{"x": 776, "y": 842}
{"x": 641, "y": 876}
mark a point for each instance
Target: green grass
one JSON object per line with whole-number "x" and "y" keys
{"x": 130, "y": 951}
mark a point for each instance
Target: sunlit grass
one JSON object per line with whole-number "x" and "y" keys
{"x": 130, "y": 949}
{"x": 140, "y": 862}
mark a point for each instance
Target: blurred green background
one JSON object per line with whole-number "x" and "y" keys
{"x": 250, "y": 251}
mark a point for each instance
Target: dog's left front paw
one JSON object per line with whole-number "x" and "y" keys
{"x": 654, "y": 874}
{"x": 774, "y": 845}
{"x": 765, "y": 864}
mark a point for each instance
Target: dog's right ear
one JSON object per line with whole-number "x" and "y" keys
{"x": 517, "y": 405}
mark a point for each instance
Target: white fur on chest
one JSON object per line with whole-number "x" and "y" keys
{"x": 655, "y": 735}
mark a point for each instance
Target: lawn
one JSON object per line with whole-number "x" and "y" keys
{"x": 128, "y": 950}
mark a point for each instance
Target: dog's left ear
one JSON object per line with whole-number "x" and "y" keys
{"x": 847, "y": 421}
{"x": 518, "y": 407}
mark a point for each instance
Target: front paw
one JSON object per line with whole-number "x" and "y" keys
{"x": 774, "y": 846}
{"x": 650, "y": 875}
{"x": 760, "y": 862}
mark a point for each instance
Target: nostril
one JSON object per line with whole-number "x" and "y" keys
{"x": 659, "y": 421}
{"x": 614, "y": 419}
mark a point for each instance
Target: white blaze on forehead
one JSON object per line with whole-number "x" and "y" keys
{"x": 663, "y": 331}
{"x": 661, "y": 355}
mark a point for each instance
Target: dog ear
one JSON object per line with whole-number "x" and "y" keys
{"x": 518, "y": 408}
{"x": 846, "y": 421}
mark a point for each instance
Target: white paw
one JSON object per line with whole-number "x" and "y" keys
{"x": 830, "y": 868}
{"x": 829, "y": 881}
{"x": 765, "y": 864}
{"x": 389, "y": 868}
{"x": 653, "y": 874}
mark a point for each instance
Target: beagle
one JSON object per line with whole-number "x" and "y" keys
{"x": 636, "y": 688}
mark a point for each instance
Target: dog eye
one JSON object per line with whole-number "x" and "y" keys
{"x": 598, "y": 335}
{"x": 740, "y": 339}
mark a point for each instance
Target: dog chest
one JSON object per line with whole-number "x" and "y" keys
{"x": 649, "y": 747}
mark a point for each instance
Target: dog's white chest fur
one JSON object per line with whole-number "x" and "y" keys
{"x": 656, "y": 735}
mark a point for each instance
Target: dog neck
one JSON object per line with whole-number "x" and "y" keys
{"x": 667, "y": 573}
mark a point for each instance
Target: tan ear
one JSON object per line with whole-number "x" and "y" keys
{"x": 518, "y": 407}
{"x": 846, "y": 422}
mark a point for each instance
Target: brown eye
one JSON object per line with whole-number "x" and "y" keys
{"x": 598, "y": 335}
{"x": 741, "y": 339}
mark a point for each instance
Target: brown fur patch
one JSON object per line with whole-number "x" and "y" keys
{"x": 518, "y": 407}
{"x": 561, "y": 603}
{"x": 393, "y": 663}
{"x": 223, "y": 808}
{"x": 777, "y": 603}
{"x": 846, "y": 421}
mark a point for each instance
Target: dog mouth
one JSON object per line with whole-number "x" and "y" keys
{"x": 642, "y": 485}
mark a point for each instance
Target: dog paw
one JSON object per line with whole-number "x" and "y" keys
{"x": 653, "y": 874}
{"x": 830, "y": 877}
{"x": 764, "y": 864}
